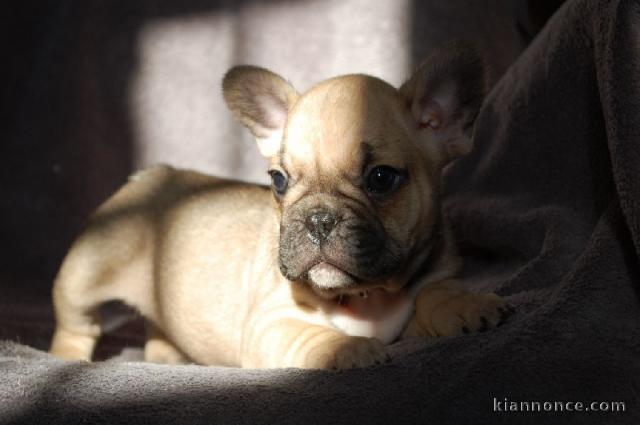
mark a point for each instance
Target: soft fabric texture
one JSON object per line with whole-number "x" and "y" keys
{"x": 547, "y": 212}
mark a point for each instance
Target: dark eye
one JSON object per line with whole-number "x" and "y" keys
{"x": 383, "y": 180}
{"x": 278, "y": 181}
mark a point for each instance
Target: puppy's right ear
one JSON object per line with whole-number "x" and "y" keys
{"x": 444, "y": 96}
{"x": 260, "y": 100}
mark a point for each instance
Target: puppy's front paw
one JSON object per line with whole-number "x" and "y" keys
{"x": 449, "y": 310}
{"x": 345, "y": 353}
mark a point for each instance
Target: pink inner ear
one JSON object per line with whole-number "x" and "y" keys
{"x": 431, "y": 115}
{"x": 274, "y": 111}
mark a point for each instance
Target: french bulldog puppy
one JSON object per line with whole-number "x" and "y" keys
{"x": 347, "y": 251}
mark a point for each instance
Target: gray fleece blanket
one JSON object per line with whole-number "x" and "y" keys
{"x": 547, "y": 212}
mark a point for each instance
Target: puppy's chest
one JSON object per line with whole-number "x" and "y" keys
{"x": 374, "y": 316}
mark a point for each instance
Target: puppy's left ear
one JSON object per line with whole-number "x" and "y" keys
{"x": 260, "y": 100}
{"x": 444, "y": 96}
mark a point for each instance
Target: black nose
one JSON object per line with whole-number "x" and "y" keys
{"x": 319, "y": 226}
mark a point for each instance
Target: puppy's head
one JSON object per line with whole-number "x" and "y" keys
{"x": 355, "y": 164}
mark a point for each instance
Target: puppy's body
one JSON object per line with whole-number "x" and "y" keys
{"x": 321, "y": 272}
{"x": 167, "y": 232}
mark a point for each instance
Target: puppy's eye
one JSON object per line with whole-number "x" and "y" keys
{"x": 383, "y": 180}
{"x": 279, "y": 181}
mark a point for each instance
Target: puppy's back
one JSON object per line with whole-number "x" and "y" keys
{"x": 114, "y": 257}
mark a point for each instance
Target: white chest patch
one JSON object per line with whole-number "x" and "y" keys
{"x": 385, "y": 328}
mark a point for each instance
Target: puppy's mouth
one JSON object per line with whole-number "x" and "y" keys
{"x": 327, "y": 276}
{"x": 353, "y": 297}
{"x": 331, "y": 282}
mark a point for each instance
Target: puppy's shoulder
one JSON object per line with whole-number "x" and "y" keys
{"x": 163, "y": 183}
{"x": 152, "y": 172}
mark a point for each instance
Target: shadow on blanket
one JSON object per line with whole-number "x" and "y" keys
{"x": 547, "y": 212}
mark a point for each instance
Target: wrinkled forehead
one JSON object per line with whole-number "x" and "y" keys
{"x": 336, "y": 123}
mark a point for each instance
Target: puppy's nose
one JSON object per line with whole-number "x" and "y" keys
{"x": 319, "y": 226}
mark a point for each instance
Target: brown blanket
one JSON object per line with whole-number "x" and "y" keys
{"x": 547, "y": 212}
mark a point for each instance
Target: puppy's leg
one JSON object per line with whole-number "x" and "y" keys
{"x": 295, "y": 343}
{"x": 77, "y": 329}
{"x": 95, "y": 271}
{"x": 158, "y": 349}
{"x": 446, "y": 308}
{"x": 110, "y": 260}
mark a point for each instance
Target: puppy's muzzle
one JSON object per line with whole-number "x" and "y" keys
{"x": 319, "y": 226}
{"x": 334, "y": 246}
